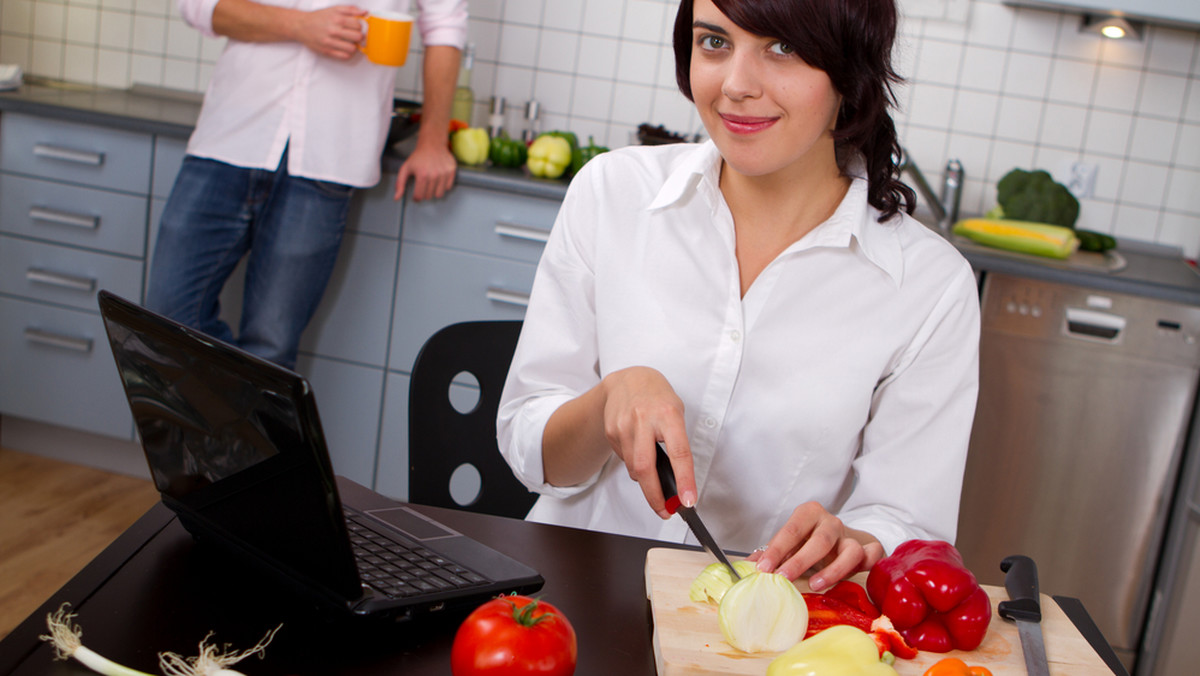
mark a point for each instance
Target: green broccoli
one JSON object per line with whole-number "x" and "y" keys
{"x": 1035, "y": 196}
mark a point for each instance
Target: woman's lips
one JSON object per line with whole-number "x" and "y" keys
{"x": 743, "y": 124}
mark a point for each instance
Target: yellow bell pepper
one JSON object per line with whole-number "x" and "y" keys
{"x": 470, "y": 146}
{"x": 840, "y": 650}
{"x": 549, "y": 156}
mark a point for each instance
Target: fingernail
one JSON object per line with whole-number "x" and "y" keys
{"x": 765, "y": 565}
{"x": 816, "y": 583}
{"x": 664, "y": 514}
{"x": 688, "y": 498}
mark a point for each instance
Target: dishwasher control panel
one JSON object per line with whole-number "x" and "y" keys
{"x": 1146, "y": 327}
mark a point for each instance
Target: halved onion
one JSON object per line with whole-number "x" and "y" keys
{"x": 712, "y": 582}
{"x": 763, "y": 612}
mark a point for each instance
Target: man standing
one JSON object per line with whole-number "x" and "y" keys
{"x": 294, "y": 119}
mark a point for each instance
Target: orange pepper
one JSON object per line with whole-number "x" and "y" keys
{"x": 952, "y": 666}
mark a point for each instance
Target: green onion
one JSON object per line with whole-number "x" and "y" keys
{"x": 67, "y": 639}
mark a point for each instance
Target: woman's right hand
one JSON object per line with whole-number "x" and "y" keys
{"x": 641, "y": 409}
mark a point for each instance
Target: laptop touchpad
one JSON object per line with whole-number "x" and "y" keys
{"x": 414, "y": 525}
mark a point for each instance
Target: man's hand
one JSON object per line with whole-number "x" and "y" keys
{"x": 335, "y": 32}
{"x": 431, "y": 167}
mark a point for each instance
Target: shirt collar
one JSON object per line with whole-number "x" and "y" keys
{"x": 703, "y": 162}
{"x": 853, "y": 222}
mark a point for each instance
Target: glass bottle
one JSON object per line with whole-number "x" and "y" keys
{"x": 464, "y": 97}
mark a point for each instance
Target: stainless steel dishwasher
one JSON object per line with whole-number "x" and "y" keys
{"x": 1084, "y": 406}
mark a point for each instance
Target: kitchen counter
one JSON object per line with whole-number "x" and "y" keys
{"x": 156, "y": 589}
{"x": 1149, "y": 270}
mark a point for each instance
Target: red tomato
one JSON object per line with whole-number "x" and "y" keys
{"x": 514, "y": 636}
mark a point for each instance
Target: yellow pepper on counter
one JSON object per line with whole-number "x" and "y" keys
{"x": 840, "y": 650}
{"x": 470, "y": 146}
{"x": 549, "y": 156}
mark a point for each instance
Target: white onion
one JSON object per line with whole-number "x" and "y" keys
{"x": 712, "y": 582}
{"x": 763, "y": 612}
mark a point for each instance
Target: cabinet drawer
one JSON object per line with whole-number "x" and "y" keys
{"x": 349, "y": 400}
{"x": 374, "y": 212}
{"x": 64, "y": 275}
{"x": 71, "y": 214}
{"x": 483, "y": 221}
{"x": 168, "y": 156}
{"x": 78, "y": 153}
{"x": 352, "y": 321}
{"x": 56, "y": 367}
{"x": 437, "y": 287}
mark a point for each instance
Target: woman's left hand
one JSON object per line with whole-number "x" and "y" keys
{"x": 813, "y": 538}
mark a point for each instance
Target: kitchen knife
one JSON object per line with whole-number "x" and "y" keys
{"x": 1024, "y": 608}
{"x": 666, "y": 477}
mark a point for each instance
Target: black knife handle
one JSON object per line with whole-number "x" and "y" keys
{"x": 1021, "y": 582}
{"x": 666, "y": 477}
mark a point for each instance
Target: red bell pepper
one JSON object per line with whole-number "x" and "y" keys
{"x": 930, "y": 596}
{"x": 832, "y": 608}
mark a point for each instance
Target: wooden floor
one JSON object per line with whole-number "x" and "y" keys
{"x": 54, "y": 518}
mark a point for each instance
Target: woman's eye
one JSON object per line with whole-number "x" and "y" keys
{"x": 782, "y": 49}
{"x": 711, "y": 42}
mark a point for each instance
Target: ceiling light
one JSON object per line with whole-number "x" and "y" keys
{"x": 1115, "y": 27}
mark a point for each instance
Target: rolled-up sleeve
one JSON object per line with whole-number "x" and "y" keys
{"x": 914, "y": 447}
{"x": 556, "y": 358}
{"x": 442, "y": 22}
{"x": 198, "y": 14}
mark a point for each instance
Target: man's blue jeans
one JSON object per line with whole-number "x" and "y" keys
{"x": 291, "y": 229}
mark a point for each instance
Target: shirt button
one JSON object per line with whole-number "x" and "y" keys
{"x": 735, "y": 336}
{"x": 710, "y": 422}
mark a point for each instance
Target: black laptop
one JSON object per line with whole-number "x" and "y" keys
{"x": 235, "y": 447}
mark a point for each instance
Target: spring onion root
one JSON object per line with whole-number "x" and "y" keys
{"x": 67, "y": 639}
{"x": 211, "y": 661}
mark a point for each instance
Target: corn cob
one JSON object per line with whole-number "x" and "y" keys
{"x": 1040, "y": 239}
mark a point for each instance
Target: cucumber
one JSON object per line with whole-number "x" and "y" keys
{"x": 1095, "y": 241}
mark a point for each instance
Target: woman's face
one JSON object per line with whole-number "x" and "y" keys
{"x": 764, "y": 107}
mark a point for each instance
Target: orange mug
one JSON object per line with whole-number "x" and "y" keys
{"x": 387, "y": 38}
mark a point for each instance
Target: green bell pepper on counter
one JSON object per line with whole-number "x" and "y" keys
{"x": 507, "y": 152}
{"x": 585, "y": 155}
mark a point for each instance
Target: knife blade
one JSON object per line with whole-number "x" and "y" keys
{"x": 1024, "y": 607}
{"x": 666, "y": 477}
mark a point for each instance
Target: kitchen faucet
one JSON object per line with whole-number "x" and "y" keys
{"x": 945, "y": 206}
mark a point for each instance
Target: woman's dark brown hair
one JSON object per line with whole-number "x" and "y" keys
{"x": 851, "y": 40}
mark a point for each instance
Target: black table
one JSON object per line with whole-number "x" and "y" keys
{"x": 155, "y": 589}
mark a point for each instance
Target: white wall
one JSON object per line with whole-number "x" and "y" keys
{"x": 994, "y": 86}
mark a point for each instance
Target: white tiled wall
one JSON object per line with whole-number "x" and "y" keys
{"x": 990, "y": 85}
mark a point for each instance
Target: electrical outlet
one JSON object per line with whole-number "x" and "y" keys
{"x": 1082, "y": 179}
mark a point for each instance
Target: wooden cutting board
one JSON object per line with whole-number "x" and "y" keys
{"x": 688, "y": 641}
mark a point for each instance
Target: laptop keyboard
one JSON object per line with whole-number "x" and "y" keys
{"x": 397, "y": 569}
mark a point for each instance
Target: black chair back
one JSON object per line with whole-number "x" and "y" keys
{"x": 443, "y": 440}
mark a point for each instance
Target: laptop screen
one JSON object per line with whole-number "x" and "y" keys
{"x": 234, "y": 445}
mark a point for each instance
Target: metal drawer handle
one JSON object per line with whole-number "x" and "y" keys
{"x": 39, "y": 276}
{"x": 68, "y": 155}
{"x": 517, "y": 231}
{"x": 64, "y": 218}
{"x": 1092, "y": 324}
{"x": 510, "y": 297}
{"x": 41, "y": 337}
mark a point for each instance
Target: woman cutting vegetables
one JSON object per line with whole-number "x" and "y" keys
{"x": 762, "y": 304}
